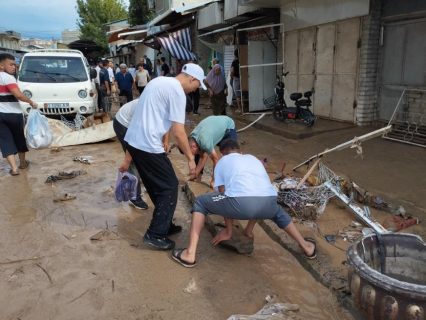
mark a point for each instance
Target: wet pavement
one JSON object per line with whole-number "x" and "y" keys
{"x": 49, "y": 269}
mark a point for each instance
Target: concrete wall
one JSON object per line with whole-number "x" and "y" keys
{"x": 398, "y": 7}
{"x": 299, "y": 14}
{"x": 367, "y": 94}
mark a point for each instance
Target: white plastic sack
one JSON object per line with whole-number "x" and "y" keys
{"x": 38, "y": 132}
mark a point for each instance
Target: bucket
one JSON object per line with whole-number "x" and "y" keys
{"x": 391, "y": 285}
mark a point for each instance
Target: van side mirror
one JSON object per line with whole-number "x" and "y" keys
{"x": 93, "y": 74}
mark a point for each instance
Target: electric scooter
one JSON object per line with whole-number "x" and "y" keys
{"x": 299, "y": 113}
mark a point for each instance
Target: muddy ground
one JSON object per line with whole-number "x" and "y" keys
{"x": 50, "y": 269}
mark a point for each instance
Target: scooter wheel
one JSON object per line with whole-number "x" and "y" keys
{"x": 310, "y": 122}
{"x": 278, "y": 113}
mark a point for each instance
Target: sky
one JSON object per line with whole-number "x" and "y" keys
{"x": 44, "y": 19}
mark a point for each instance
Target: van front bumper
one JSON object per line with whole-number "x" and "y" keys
{"x": 52, "y": 108}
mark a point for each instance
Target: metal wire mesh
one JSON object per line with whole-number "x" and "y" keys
{"x": 308, "y": 201}
{"x": 75, "y": 124}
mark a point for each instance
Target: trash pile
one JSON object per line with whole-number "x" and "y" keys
{"x": 62, "y": 175}
{"x": 306, "y": 199}
{"x": 272, "y": 310}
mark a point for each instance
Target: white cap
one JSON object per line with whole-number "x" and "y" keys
{"x": 195, "y": 71}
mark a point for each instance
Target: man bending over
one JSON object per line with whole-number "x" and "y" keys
{"x": 243, "y": 192}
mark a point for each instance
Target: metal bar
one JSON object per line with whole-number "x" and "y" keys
{"x": 404, "y": 141}
{"x": 260, "y": 27}
{"x": 218, "y": 30}
{"x": 347, "y": 144}
{"x": 396, "y": 108}
{"x": 359, "y": 212}
{"x": 262, "y": 65}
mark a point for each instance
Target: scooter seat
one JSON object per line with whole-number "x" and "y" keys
{"x": 308, "y": 94}
{"x": 296, "y": 96}
{"x": 303, "y": 103}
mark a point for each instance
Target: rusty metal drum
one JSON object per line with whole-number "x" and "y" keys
{"x": 387, "y": 276}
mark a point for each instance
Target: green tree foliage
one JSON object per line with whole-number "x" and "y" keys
{"x": 94, "y": 14}
{"x": 139, "y": 12}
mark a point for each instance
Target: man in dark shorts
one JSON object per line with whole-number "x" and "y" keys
{"x": 12, "y": 139}
{"x": 243, "y": 192}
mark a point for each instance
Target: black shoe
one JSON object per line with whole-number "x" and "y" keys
{"x": 139, "y": 204}
{"x": 160, "y": 243}
{"x": 174, "y": 229}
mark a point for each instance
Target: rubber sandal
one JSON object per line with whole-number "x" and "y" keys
{"x": 25, "y": 165}
{"x": 13, "y": 173}
{"x": 314, "y": 254}
{"x": 176, "y": 255}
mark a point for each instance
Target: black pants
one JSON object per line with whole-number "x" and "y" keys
{"x": 126, "y": 93}
{"x": 12, "y": 139}
{"x": 196, "y": 100}
{"x": 161, "y": 183}
{"x": 120, "y": 132}
{"x": 140, "y": 89}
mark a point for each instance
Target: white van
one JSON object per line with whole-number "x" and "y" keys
{"x": 60, "y": 81}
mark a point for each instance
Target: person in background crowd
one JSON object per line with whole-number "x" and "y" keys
{"x": 12, "y": 138}
{"x": 142, "y": 78}
{"x": 235, "y": 79}
{"x": 132, "y": 70}
{"x": 216, "y": 84}
{"x": 97, "y": 82}
{"x": 117, "y": 67}
{"x": 157, "y": 67}
{"x": 148, "y": 66}
{"x": 161, "y": 108}
{"x": 165, "y": 69}
{"x": 243, "y": 191}
{"x": 105, "y": 86}
{"x": 111, "y": 72}
{"x": 125, "y": 83}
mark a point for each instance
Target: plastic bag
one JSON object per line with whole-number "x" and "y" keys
{"x": 38, "y": 131}
{"x": 125, "y": 186}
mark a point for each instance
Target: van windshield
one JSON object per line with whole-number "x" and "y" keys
{"x": 52, "y": 70}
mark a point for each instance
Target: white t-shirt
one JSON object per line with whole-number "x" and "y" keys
{"x": 111, "y": 74}
{"x": 243, "y": 176}
{"x": 125, "y": 113}
{"x": 8, "y": 102}
{"x": 98, "y": 70}
{"x": 163, "y": 102}
{"x": 142, "y": 77}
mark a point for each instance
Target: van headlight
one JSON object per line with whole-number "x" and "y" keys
{"x": 28, "y": 94}
{"x": 83, "y": 109}
{"x": 82, "y": 94}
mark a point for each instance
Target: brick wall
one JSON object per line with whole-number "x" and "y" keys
{"x": 367, "y": 94}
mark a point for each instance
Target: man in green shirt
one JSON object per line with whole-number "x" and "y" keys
{"x": 206, "y": 135}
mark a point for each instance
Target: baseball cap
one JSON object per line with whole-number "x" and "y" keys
{"x": 195, "y": 71}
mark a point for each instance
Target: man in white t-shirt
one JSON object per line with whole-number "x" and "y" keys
{"x": 244, "y": 192}
{"x": 161, "y": 108}
{"x": 12, "y": 139}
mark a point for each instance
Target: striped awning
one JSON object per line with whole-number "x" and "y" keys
{"x": 179, "y": 44}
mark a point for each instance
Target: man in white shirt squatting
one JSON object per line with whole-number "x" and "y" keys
{"x": 161, "y": 108}
{"x": 244, "y": 192}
